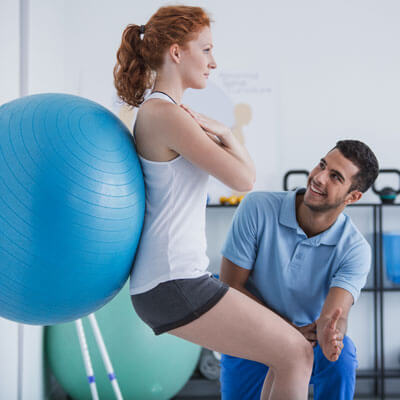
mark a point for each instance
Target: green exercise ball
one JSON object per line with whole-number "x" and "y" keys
{"x": 147, "y": 367}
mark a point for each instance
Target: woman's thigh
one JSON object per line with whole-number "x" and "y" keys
{"x": 241, "y": 327}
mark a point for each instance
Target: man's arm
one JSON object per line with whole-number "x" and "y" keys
{"x": 236, "y": 277}
{"x": 332, "y": 323}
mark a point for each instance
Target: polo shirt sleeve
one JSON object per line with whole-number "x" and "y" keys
{"x": 241, "y": 244}
{"x": 354, "y": 268}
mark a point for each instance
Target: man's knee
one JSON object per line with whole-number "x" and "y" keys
{"x": 345, "y": 367}
{"x": 335, "y": 380}
{"x": 341, "y": 370}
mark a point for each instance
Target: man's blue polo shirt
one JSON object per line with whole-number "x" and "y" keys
{"x": 292, "y": 273}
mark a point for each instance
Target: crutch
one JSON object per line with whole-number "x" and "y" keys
{"x": 104, "y": 356}
{"x": 86, "y": 359}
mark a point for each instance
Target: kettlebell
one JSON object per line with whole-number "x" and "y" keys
{"x": 293, "y": 172}
{"x": 387, "y": 194}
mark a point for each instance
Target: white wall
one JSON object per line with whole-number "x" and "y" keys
{"x": 9, "y": 64}
{"x": 312, "y": 72}
{"x": 21, "y": 350}
{"x": 9, "y": 71}
{"x": 9, "y": 360}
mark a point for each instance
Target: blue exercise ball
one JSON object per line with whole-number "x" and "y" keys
{"x": 71, "y": 207}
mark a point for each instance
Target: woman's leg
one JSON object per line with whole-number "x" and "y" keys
{"x": 239, "y": 326}
{"x": 268, "y": 384}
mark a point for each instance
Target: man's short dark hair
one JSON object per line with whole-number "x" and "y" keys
{"x": 362, "y": 157}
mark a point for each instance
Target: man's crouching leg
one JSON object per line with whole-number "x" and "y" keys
{"x": 241, "y": 379}
{"x": 335, "y": 380}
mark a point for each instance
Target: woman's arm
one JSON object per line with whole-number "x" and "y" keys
{"x": 223, "y": 134}
{"x": 188, "y": 135}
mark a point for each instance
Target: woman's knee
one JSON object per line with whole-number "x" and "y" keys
{"x": 297, "y": 353}
{"x": 305, "y": 353}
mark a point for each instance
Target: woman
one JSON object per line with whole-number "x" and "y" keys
{"x": 178, "y": 148}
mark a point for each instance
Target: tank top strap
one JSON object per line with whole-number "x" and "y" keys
{"x": 160, "y": 95}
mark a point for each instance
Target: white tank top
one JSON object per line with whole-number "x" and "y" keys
{"x": 173, "y": 240}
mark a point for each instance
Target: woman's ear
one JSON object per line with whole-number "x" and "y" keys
{"x": 175, "y": 53}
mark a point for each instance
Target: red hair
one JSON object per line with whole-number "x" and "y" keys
{"x": 140, "y": 55}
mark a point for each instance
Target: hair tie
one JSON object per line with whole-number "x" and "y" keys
{"x": 141, "y": 31}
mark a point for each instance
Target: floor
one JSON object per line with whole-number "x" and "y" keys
{"x": 199, "y": 388}
{"x": 218, "y": 398}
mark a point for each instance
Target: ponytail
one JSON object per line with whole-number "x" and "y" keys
{"x": 132, "y": 74}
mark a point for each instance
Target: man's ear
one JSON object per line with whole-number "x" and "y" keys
{"x": 353, "y": 197}
{"x": 175, "y": 53}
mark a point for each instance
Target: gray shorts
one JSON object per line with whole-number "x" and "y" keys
{"x": 175, "y": 303}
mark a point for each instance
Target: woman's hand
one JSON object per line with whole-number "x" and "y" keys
{"x": 210, "y": 126}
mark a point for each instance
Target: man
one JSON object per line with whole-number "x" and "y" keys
{"x": 299, "y": 255}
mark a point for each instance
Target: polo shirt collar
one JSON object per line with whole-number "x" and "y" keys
{"x": 287, "y": 217}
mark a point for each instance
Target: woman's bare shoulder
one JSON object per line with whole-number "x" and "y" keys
{"x": 160, "y": 115}
{"x": 155, "y": 121}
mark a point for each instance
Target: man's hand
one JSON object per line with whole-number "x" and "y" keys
{"x": 309, "y": 332}
{"x": 330, "y": 338}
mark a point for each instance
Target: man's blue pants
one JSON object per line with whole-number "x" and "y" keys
{"x": 243, "y": 379}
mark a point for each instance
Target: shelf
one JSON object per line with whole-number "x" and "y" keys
{"x": 385, "y": 289}
{"x": 221, "y": 206}
{"x": 370, "y": 373}
{"x": 351, "y": 205}
{"x": 379, "y": 374}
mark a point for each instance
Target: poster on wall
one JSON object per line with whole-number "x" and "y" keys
{"x": 243, "y": 102}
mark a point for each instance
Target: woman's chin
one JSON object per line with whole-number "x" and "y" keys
{"x": 199, "y": 85}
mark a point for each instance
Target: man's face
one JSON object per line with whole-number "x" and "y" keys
{"x": 329, "y": 183}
